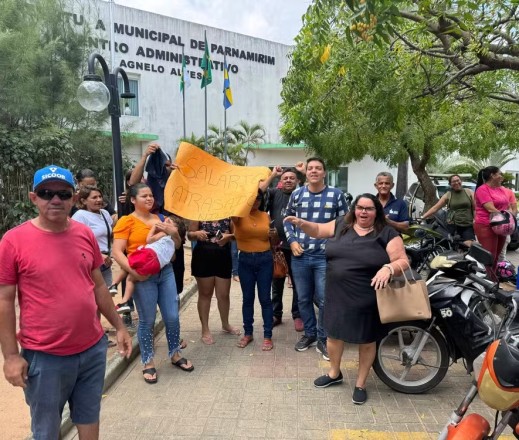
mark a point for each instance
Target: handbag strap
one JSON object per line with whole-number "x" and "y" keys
{"x": 108, "y": 233}
{"x": 403, "y": 273}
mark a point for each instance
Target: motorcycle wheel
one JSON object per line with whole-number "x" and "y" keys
{"x": 395, "y": 353}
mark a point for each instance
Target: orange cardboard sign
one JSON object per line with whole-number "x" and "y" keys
{"x": 207, "y": 188}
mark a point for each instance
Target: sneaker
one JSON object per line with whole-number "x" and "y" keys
{"x": 122, "y": 308}
{"x": 276, "y": 321}
{"x": 359, "y": 396}
{"x": 113, "y": 289}
{"x": 326, "y": 381}
{"x": 305, "y": 342}
{"x": 321, "y": 348}
{"x": 298, "y": 325}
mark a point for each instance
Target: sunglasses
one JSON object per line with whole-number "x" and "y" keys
{"x": 47, "y": 194}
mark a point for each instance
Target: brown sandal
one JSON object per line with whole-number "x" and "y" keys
{"x": 267, "y": 345}
{"x": 244, "y": 341}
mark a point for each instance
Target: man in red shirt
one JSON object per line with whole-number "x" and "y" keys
{"x": 53, "y": 262}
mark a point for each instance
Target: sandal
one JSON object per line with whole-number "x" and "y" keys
{"x": 244, "y": 341}
{"x": 152, "y": 372}
{"x": 181, "y": 363}
{"x": 267, "y": 345}
{"x": 183, "y": 344}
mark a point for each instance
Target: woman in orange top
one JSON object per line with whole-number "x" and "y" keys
{"x": 160, "y": 289}
{"x": 255, "y": 266}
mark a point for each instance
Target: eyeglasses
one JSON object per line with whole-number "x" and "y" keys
{"x": 47, "y": 194}
{"x": 365, "y": 208}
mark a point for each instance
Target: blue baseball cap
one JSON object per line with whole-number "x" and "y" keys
{"x": 52, "y": 173}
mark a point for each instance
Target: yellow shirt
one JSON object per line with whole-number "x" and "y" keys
{"x": 133, "y": 230}
{"x": 252, "y": 232}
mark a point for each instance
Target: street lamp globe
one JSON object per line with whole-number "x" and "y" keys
{"x": 92, "y": 94}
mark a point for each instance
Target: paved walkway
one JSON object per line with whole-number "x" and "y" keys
{"x": 238, "y": 393}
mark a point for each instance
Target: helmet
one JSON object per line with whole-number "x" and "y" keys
{"x": 506, "y": 271}
{"x": 503, "y": 223}
{"x": 498, "y": 381}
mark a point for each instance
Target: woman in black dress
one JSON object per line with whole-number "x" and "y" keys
{"x": 362, "y": 254}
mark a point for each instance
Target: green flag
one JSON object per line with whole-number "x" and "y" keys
{"x": 207, "y": 77}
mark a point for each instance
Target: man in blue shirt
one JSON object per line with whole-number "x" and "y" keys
{"x": 318, "y": 203}
{"x": 396, "y": 211}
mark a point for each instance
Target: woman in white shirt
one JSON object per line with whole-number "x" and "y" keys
{"x": 90, "y": 204}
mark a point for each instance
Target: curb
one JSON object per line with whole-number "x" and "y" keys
{"x": 116, "y": 364}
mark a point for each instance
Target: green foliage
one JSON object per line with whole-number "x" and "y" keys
{"x": 241, "y": 140}
{"x": 42, "y": 58}
{"x": 23, "y": 151}
{"x": 371, "y": 98}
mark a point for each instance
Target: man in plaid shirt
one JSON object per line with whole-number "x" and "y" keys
{"x": 316, "y": 202}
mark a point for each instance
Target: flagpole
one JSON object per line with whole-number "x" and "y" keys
{"x": 205, "y": 98}
{"x": 183, "y": 96}
{"x": 224, "y": 118}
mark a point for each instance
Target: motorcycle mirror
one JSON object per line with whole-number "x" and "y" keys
{"x": 481, "y": 254}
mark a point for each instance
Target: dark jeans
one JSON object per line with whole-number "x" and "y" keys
{"x": 255, "y": 268}
{"x": 310, "y": 272}
{"x": 234, "y": 254}
{"x": 278, "y": 285}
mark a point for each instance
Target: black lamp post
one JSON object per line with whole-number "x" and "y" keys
{"x": 94, "y": 95}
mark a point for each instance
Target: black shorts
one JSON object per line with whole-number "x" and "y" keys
{"x": 465, "y": 232}
{"x": 211, "y": 260}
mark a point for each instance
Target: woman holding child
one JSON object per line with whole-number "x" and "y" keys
{"x": 131, "y": 232}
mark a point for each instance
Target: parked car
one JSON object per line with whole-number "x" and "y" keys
{"x": 415, "y": 199}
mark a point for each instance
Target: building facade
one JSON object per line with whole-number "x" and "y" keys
{"x": 151, "y": 48}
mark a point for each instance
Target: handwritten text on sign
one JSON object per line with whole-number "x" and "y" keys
{"x": 207, "y": 188}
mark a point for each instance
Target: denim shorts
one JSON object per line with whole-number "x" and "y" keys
{"x": 54, "y": 380}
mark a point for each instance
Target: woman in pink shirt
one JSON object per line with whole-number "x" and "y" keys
{"x": 491, "y": 197}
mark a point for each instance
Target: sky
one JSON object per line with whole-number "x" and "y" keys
{"x": 275, "y": 20}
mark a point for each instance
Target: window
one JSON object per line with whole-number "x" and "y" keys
{"x": 338, "y": 178}
{"x": 132, "y": 104}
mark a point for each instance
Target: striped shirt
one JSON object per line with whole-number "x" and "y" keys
{"x": 321, "y": 207}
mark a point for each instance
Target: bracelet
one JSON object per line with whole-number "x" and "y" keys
{"x": 391, "y": 270}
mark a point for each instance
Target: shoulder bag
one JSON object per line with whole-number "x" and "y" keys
{"x": 280, "y": 264}
{"x": 405, "y": 298}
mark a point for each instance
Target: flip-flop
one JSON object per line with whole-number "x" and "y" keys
{"x": 183, "y": 344}
{"x": 244, "y": 341}
{"x": 151, "y": 371}
{"x": 235, "y": 331}
{"x": 180, "y": 364}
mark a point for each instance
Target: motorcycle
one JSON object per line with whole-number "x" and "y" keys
{"x": 496, "y": 374}
{"x": 414, "y": 357}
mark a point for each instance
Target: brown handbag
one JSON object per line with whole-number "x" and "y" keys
{"x": 280, "y": 264}
{"x": 405, "y": 298}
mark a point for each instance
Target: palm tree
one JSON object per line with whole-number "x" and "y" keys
{"x": 497, "y": 158}
{"x": 249, "y": 136}
{"x": 193, "y": 140}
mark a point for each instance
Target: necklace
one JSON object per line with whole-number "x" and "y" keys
{"x": 369, "y": 229}
{"x": 252, "y": 220}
